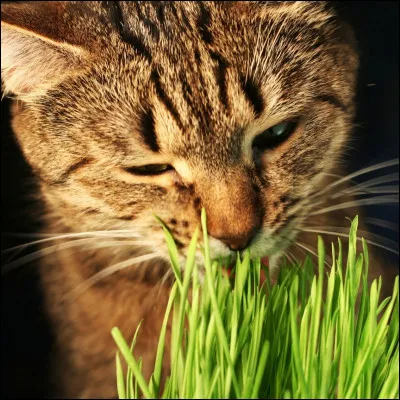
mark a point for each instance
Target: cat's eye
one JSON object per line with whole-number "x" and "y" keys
{"x": 274, "y": 135}
{"x": 151, "y": 169}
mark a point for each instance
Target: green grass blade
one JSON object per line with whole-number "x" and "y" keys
{"x": 292, "y": 339}
{"x": 130, "y": 360}
{"x": 161, "y": 342}
{"x": 120, "y": 378}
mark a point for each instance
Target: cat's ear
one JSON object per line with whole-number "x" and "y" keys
{"x": 36, "y": 47}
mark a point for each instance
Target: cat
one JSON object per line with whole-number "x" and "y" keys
{"x": 126, "y": 110}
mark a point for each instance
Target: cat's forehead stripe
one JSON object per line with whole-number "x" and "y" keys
{"x": 203, "y": 23}
{"x": 165, "y": 99}
{"x": 220, "y": 75}
{"x": 147, "y": 130}
{"x": 253, "y": 94}
{"x": 159, "y": 8}
{"x": 147, "y": 22}
{"x": 119, "y": 23}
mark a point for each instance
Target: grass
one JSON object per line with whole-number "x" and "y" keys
{"x": 300, "y": 338}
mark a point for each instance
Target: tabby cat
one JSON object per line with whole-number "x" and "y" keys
{"x": 126, "y": 110}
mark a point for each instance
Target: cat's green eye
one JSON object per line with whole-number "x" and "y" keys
{"x": 151, "y": 169}
{"x": 274, "y": 135}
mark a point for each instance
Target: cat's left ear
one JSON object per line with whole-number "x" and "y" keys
{"x": 38, "y": 49}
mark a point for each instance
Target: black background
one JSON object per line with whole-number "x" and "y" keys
{"x": 26, "y": 338}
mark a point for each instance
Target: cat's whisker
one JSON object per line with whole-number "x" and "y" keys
{"x": 168, "y": 274}
{"x": 344, "y": 230}
{"x": 382, "y": 223}
{"x": 12, "y": 256}
{"x": 119, "y": 243}
{"x": 387, "y": 199}
{"x": 360, "y": 172}
{"x": 41, "y": 253}
{"x": 82, "y": 287}
{"x": 290, "y": 243}
{"x": 301, "y": 250}
{"x": 55, "y": 236}
{"x": 390, "y": 189}
{"x": 293, "y": 256}
{"x": 284, "y": 257}
{"x": 309, "y": 249}
{"x": 387, "y": 190}
{"x": 369, "y": 183}
{"x": 332, "y": 174}
{"x": 351, "y": 181}
{"x": 51, "y": 249}
{"x": 93, "y": 235}
{"x": 336, "y": 233}
{"x": 289, "y": 256}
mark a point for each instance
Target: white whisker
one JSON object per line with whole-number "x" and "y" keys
{"x": 346, "y": 235}
{"x": 289, "y": 257}
{"x": 390, "y": 189}
{"x": 387, "y": 190}
{"x": 302, "y": 245}
{"x": 55, "y": 236}
{"x": 294, "y": 257}
{"x": 340, "y": 229}
{"x": 339, "y": 176}
{"x": 284, "y": 258}
{"x": 382, "y": 223}
{"x": 362, "y": 171}
{"x": 301, "y": 249}
{"x": 13, "y": 255}
{"x": 164, "y": 279}
{"x": 107, "y": 272}
{"x": 389, "y": 199}
{"x": 370, "y": 183}
{"x": 48, "y": 250}
{"x": 93, "y": 235}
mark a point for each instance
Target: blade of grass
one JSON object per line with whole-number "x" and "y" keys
{"x": 130, "y": 360}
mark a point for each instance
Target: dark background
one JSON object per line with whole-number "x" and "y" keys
{"x": 26, "y": 336}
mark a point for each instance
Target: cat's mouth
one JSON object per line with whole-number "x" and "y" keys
{"x": 229, "y": 270}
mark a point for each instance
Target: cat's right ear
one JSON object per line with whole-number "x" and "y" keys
{"x": 37, "y": 47}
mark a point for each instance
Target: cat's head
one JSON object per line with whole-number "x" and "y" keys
{"x": 130, "y": 109}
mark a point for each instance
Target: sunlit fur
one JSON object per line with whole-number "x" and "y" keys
{"x": 87, "y": 74}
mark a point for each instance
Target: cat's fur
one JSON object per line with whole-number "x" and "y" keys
{"x": 105, "y": 86}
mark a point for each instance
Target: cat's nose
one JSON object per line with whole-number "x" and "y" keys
{"x": 236, "y": 239}
{"x": 233, "y": 208}
{"x": 237, "y": 243}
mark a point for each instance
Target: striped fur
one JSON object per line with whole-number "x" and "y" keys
{"x": 107, "y": 86}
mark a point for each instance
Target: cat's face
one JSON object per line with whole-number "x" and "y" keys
{"x": 131, "y": 110}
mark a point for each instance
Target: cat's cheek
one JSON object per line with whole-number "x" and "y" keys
{"x": 268, "y": 244}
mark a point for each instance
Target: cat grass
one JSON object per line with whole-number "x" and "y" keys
{"x": 324, "y": 335}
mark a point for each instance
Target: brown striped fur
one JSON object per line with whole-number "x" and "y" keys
{"x": 106, "y": 86}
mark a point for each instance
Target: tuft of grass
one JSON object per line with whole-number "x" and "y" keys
{"x": 310, "y": 335}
